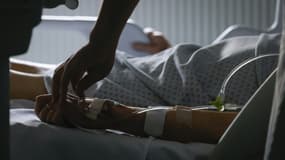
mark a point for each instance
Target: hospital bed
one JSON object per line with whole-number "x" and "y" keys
{"x": 33, "y": 139}
{"x": 240, "y": 30}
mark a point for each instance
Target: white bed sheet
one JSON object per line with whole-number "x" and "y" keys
{"x": 33, "y": 139}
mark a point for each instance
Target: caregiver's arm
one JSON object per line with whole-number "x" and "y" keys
{"x": 94, "y": 61}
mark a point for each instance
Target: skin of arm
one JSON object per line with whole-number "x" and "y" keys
{"x": 157, "y": 43}
{"x": 26, "y": 85}
{"x": 173, "y": 129}
{"x": 27, "y": 79}
{"x": 204, "y": 126}
{"x": 30, "y": 67}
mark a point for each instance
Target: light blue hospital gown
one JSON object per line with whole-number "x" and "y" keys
{"x": 189, "y": 74}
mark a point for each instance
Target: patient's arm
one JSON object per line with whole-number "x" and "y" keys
{"x": 25, "y": 85}
{"x": 157, "y": 42}
{"x": 27, "y": 79}
{"x": 125, "y": 118}
{"x": 29, "y": 67}
{"x": 118, "y": 117}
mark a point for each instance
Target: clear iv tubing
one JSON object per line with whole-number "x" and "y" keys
{"x": 235, "y": 70}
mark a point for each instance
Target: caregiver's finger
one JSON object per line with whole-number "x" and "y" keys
{"x": 58, "y": 119}
{"x": 41, "y": 102}
{"x": 71, "y": 69}
{"x": 56, "y": 82}
{"x": 86, "y": 82}
{"x": 49, "y": 116}
{"x": 43, "y": 114}
{"x": 76, "y": 79}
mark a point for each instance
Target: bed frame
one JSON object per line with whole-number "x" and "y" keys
{"x": 239, "y": 30}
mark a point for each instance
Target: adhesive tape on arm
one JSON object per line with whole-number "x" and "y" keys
{"x": 154, "y": 122}
{"x": 95, "y": 108}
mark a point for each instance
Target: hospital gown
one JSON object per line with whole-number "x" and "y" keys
{"x": 189, "y": 74}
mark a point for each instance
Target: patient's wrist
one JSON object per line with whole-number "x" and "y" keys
{"x": 126, "y": 119}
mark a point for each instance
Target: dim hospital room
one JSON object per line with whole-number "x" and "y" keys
{"x": 190, "y": 79}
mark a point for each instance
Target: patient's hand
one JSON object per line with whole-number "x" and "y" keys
{"x": 47, "y": 112}
{"x": 72, "y": 113}
{"x": 157, "y": 42}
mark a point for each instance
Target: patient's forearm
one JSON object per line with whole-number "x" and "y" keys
{"x": 180, "y": 123}
{"x": 126, "y": 119}
{"x": 129, "y": 121}
{"x": 29, "y": 67}
{"x": 25, "y": 85}
{"x": 205, "y": 126}
{"x": 134, "y": 124}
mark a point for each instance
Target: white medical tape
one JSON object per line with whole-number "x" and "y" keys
{"x": 184, "y": 115}
{"x": 154, "y": 122}
{"x": 95, "y": 108}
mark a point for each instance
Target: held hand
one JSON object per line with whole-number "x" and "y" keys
{"x": 48, "y": 113}
{"x": 157, "y": 42}
{"x": 72, "y": 113}
{"x": 89, "y": 65}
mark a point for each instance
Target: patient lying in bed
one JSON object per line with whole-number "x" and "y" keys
{"x": 186, "y": 74}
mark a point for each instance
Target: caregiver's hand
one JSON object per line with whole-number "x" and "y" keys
{"x": 157, "y": 42}
{"x": 89, "y": 65}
